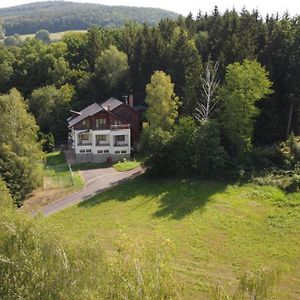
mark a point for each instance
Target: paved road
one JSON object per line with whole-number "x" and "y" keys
{"x": 97, "y": 181}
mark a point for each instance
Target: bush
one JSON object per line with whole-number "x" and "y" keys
{"x": 186, "y": 150}
{"x": 19, "y": 173}
{"x": 210, "y": 156}
{"x": 288, "y": 181}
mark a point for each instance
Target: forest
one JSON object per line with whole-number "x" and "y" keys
{"x": 56, "y": 16}
{"x": 83, "y": 68}
{"x": 220, "y": 146}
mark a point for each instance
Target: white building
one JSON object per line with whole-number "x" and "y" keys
{"x": 104, "y": 131}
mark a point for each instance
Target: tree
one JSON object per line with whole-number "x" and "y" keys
{"x": 2, "y": 34}
{"x": 245, "y": 84}
{"x": 162, "y": 101}
{"x": 208, "y": 103}
{"x": 43, "y": 35}
{"x": 112, "y": 72}
{"x": 20, "y": 153}
{"x": 51, "y": 107}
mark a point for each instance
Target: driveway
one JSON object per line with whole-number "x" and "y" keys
{"x": 97, "y": 181}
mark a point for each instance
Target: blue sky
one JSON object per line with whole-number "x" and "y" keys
{"x": 183, "y": 7}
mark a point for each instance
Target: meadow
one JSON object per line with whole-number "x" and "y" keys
{"x": 218, "y": 231}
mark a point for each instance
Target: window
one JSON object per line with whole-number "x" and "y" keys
{"x": 88, "y": 150}
{"x": 101, "y": 138}
{"x": 84, "y": 136}
{"x": 117, "y": 122}
{"x": 100, "y": 151}
{"x": 120, "y": 138}
{"x": 84, "y": 122}
{"x": 100, "y": 122}
{"x": 124, "y": 151}
{"x": 82, "y": 151}
{"x": 106, "y": 151}
{"x": 117, "y": 152}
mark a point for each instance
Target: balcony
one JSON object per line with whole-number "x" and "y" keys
{"x": 84, "y": 144}
{"x": 121, "y": 145}
{"x": 117, "y": 127}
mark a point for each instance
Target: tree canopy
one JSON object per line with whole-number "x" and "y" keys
{"x": 162, "y": 101}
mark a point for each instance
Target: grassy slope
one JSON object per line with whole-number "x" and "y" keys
{"x": 219, "y": 231}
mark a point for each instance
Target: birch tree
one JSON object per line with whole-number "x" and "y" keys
{"x": 207, "y": 105}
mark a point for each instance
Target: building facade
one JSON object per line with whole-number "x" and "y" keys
{"x": 104, "y": 131}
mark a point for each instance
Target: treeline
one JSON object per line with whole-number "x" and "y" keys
{"x": 89, "y": 67}
{"x": 56, "y": 16}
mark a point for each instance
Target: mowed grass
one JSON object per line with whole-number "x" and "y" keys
{"x": 126, "y": 165}
{"x": 218, "y": 230}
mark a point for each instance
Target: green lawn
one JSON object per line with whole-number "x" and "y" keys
{"x": 126, "y": 165}
{"x": 57, "y": 173}
{"x": 218, "y": 230}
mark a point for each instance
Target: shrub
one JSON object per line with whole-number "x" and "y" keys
{"x": 186, "y": 150}
{"x": 210, "y": 156}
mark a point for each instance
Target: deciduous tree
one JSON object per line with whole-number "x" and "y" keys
{"x": 245, "y": 84}
{"x": 163, "y": 103}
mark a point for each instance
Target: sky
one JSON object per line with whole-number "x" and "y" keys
{"x": 184, "y": 7}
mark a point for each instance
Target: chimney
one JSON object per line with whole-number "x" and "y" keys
{"x": 130, "y": 100}
{"x": 108, "y": 107}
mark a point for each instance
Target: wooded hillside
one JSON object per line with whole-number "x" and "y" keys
{"x": 58, "y": 16}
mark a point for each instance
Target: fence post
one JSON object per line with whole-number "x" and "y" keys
{"x": 71, "y": 174}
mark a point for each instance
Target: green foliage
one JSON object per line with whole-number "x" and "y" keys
{"x": 43, "y": 35}
{"x": 20, "y": 151}
{"x": 187, "y": 150}
{"x": 210, "y": 157}
{"x": 291, "y": 152}
{"x": 112, "y": 72}
{"x": 245, "y": 84}
{"x": 13, "y": 40}
{"x": 162, "y": 101}
{"x": 126, "y": 165}
{"x": 47, "y": 141}
{"x": 61, "y": 15}
{"x": 51, "y": 106}
{"x": 6, "y": 201}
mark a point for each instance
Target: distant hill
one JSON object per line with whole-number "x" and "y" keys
{"x": 58, "y": 16}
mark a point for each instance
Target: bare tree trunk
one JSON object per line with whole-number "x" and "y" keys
{"x": 289, "y": 120}
{"x": 207, "y": 105}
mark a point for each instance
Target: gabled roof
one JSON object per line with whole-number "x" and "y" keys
{"x": 109, "y": 104}
{"x": 112, "y": 103}
{"x": 88, "y": 111}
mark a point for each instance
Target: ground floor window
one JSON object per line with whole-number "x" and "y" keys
{"x": 124, "y": 151}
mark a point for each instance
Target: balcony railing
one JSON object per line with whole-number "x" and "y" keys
{"x": 123, "y": 126}
{"x": 102, "y": 144}
{"x": 121, "y": 145}
{"x": 84, "y": 144}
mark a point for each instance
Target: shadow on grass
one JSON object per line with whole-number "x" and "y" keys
{"x": 176, "y": 198}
